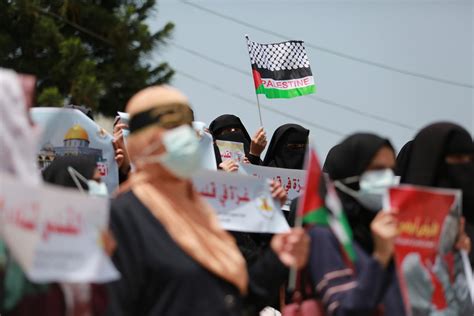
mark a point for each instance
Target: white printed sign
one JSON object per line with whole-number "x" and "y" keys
{"x": 71, "y": 132}
{"x": 55, "y": 233}
{"x": 242, "y": 203}
{"x": 292, "y": 180}
{"x": 208, "y": 157}
{"x": 231, "y": 150}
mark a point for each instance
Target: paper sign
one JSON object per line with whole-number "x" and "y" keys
{"x": 242, "y": 203}
{"x": 208, "y": 157}
{"x": 432, "y": 274}
{"x": 71, "y": 132}
{"x": 291, "y": 180}
{"x": 54, "y": 233}
{"x": 231, "y": 150}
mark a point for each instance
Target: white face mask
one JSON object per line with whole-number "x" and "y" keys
{"x": 97, "y": 188}
{"x": 183, "y": 153}
{"x": 373, "y": 185}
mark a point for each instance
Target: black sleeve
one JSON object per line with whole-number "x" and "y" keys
{"x": 123, "y": 176}
{"x": 123, "y": 295}
{"x": 266, "y": 276}
{"x": 254, "y": 160}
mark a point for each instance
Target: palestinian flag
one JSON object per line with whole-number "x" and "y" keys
{"x": 281, "y": 70}
{"x": 320, "y": 205}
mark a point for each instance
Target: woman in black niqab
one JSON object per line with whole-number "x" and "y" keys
{"x": 229, "y": 127}
{"x": 287, "y": 147}
{"x": 442, "y": 155}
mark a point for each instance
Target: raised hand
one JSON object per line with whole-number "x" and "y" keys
{"x": 259, "y": 142}
{"x": 229, "y": 165}
{"x": 292, "y": 247}
{"x": 384, "y": 229}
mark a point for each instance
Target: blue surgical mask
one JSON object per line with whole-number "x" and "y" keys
{"x": 373, "y": 186}
{"x": 183, "y": 152}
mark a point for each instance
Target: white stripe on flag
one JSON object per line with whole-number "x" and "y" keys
{"x": 288, "y": 84}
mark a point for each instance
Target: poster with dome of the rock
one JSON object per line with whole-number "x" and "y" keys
{"x": 69, "y": 132}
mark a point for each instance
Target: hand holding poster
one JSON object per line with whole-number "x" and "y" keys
{"x": 55, "y": 234}
{"x": 291, "y": 180}
{"x": 242, "y": 203}
{"x": 432, "y": 274}
{"x": 231, "y": 150}
{"x": 71, "y": 132}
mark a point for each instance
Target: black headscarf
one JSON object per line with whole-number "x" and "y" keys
{"x": 403, "y": 159}
{"x": 279, "y": 155}
{"x": 427, "y": 165}
{"x": 351, "y": 158}
{"x": 57, "y": 173}
{"x": 230, "y": 121}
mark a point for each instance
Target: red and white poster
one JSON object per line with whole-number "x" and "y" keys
{"x": 434, "y": 277}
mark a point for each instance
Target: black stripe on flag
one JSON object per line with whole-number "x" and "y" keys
{"x": 283, "y": 74}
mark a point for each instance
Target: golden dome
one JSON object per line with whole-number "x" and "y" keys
{"x": 76, "y": 132}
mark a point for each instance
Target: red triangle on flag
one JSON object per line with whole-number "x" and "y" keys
{"x": 257, "y": 79}
{"x": 311, "y": 200}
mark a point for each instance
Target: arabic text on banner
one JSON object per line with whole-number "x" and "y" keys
{"x": 243, "y": 203}
{"x": 290, "y": 179}
{"x": 55, "y": 233}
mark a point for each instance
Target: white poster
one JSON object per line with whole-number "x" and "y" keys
{"x": 231, "y": 150}
{"x": 291, "y": 180}
{"x": 71, "y": 132}
{"x": 208, "y": 157}
{"x": 242, "y": 203}
{"x": 55, "y": 233}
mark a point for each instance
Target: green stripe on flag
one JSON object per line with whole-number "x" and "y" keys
{"x": 273, "y": 93}
{"x": 318, "y": 216}
{"x": 348, "y": 245}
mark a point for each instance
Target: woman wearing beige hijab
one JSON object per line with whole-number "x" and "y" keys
{"x": 174, "y": 257}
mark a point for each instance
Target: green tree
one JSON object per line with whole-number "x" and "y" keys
{"x": 86, "y": 52}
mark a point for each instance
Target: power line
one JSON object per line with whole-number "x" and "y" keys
{"x": 319, "y": 99}
{"x": 331, "y": 51}
{"x": 238, "y": 96}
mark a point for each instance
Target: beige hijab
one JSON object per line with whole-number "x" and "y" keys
{"x": 188, "y": 219}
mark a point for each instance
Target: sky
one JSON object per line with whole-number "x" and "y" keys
{"x": 388, "y": 67}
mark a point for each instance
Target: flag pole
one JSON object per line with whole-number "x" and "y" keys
{"x": 256, "y": 94}
{"x": 292, "y": 277}
{"x": 259, "y": 110}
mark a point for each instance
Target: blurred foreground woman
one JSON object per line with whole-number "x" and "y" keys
{"x": 173, "y": 256}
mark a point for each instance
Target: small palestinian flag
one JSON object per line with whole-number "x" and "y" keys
{"x": 281, "y": 70}
{"x": 320, "y": 205}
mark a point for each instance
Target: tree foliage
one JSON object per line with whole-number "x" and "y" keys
{"x": 83, "y": 51}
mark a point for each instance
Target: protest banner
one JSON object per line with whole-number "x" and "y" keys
{"x": 291, "y": 180}
{"x": 55, "y": 233}
{"x": 433, "y": 276}
{"x": 71, "y": 132}
{"x": 242, "y": 203}
{"x": 231, "y": 150}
